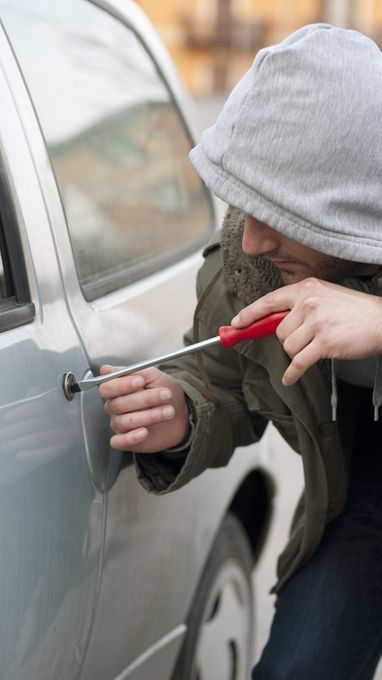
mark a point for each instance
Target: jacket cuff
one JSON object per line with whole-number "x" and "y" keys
{"x": 184, "y": 446}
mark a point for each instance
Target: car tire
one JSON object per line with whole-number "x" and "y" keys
{"x": 220, "y": 627}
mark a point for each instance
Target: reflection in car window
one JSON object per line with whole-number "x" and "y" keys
{"x": 119, "y": 149}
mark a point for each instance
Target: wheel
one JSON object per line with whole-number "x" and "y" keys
{"x": 220, "y": 635}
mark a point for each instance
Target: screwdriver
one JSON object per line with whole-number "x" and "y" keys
{"x": 228, "y": 337}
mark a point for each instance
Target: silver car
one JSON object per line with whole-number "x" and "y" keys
{"x": 102, "y": 221}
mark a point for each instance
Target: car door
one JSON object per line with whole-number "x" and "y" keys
{"x": 52, "y": 517}
{"x": 129, "y": 215}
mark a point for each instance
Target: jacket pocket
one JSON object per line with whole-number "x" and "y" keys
{"x": 286, "y": 425}
{"x": 273, "y": 409}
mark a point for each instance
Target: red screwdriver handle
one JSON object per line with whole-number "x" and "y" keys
{"x": 231, "y": 336}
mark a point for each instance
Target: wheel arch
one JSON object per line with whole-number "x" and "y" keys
{"x": 252, "y": 505}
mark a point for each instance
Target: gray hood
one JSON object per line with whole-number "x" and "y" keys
{"x": 298, "y": 144}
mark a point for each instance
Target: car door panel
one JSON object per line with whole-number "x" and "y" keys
{"x": 52, "y": 519}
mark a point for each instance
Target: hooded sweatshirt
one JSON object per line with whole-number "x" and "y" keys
{"x": 298, "y": 146}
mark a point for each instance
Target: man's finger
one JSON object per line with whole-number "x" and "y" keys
{"x": 138, "y": 401}
{"x": 132, "y": 421}
{"x": 108, "y": 368}
{"x": 276, "y": 301}
{"x": 296, "y": 341}
{"x": 121, "y": 386}
{"x": 301, "y": 362}
{"x": 130, "y": 441}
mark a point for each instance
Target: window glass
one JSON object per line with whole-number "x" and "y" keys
{"x": 118, "y": 146}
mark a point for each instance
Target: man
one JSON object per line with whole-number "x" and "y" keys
{"x": 297, "y": 153}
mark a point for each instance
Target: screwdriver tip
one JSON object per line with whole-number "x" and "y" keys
{"x": 70, "y": 386}
{"x": 74, "y": 388}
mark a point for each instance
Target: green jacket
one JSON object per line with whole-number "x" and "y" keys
{"x": 235, "y": 393}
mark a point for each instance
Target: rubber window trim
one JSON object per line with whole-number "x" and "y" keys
{"x": 17, "y": 309}
{"x": 13, "y": 315}
{"x": 117, "y": 280}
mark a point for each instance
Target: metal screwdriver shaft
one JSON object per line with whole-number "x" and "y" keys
{"x": 228, "y": 337}
{"x": 92, "y": 382}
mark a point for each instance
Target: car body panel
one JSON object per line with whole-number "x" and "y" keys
{"x": 52, "y": 519}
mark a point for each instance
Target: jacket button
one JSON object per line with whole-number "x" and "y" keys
{"x": 326, "y": 428}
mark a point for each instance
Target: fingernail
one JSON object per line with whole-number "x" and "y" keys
{"x": 235, "y": 320}
{"x": 140, "y": 434}
{"x": 168, "y": 411}
{"x": 285, "y": 381}
{"x": 138, "y": 381}
{"x": 165, "y": 395}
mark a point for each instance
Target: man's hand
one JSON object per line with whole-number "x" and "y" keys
{"x": 148, "y": 410}
{"x": 325, "y": 321}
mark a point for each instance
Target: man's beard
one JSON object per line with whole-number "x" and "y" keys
{"x": 325, "y": 267}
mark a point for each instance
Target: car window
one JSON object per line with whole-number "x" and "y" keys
{"x": 118, "y": 146}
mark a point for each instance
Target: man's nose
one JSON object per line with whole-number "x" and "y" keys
{"x": 258, "y": 238}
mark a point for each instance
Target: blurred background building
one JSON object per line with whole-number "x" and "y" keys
{"x": 214, "y": 41}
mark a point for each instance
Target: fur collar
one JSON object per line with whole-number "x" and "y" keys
{"x": 248, "y": 277}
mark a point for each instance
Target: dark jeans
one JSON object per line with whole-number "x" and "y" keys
{"x": 328, "y": 621}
